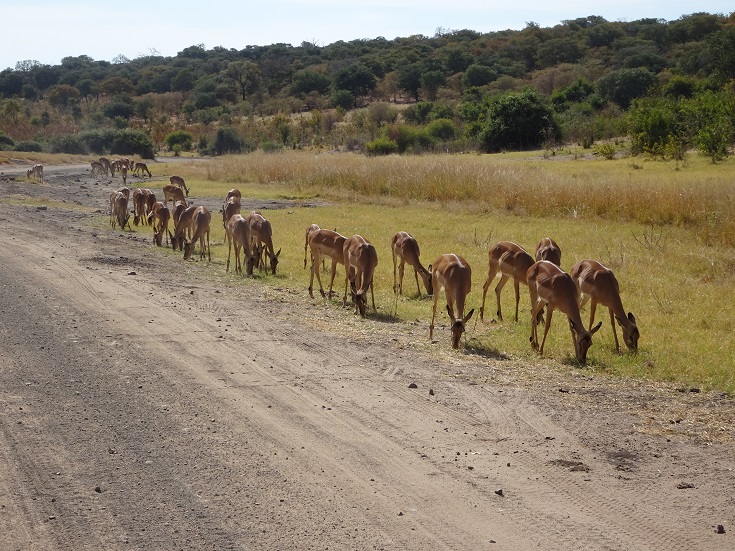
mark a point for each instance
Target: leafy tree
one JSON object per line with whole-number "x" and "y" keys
{"x": 431, "y": 81}
{"x": 357, "y": 78}
{"x": 11, "y": 109}
{"x": 11, "y": 83}
{"x": 722, "y": 53}
{"x": 227, "y": 140}
{"x": 418, "y": 113}
{"x": 309, "y": 80}
{"x": 62, "y": 95}
{"x": 518, "y": 121}
{"x": 45, "y": 76}
{"x": 442, "y": 129}
{"x": 479, "y": 75}
{"x": 245, "y": 75}
{"x": 624, "y": 85}
{"x": 183, "y": 81}
{"x": 181, "y": 138}
{"x": 565, "y": 49}
{"x": 342, "y": 99}
{"x": 116, "y": 85}
{"x": 409, "y": 79}
{"x": 118, "y": 108}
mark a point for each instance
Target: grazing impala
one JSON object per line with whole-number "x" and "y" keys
{"x": 597, "y": 283}
{"x": 549, "y": 285}
{"x": 36, "y": 171}
{"x": 159, "y": 219}
{"x": 183, "y": 221}
{"x": 231, "y": 207}
{"x": 309, "y": 231}
{"x": 238, "y": 233}
{"x": 406, "y": 248}
{"x": 137, "y": 168}
{"x": 173, "y": 194}
{"x": 360, "y": 260}
{"x": 201, "y": 221}
{"x": 139, "y": 207}
{"x": 452, "y": 273}
{"x": 510, "y": 260}
{"x": 262, "y": 232}
{"x": 547, "y": 249}
{"x": 97, "y": 168}
{"x": 179, "y": 181}
{"x": 325, "y": 244}
{"x": 120, "y": 211}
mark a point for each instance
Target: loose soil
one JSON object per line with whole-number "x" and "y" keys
{"x": 153, "y": 403}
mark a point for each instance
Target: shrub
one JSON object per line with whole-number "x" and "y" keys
{"x": 227, "y": 140}
{"x": 132, "y": 142}
{"x": 419, "y": 112}
{"x": 442, "y": 129}
{"x": 606, "y": 150}
{"x": 181, "y": 138}
{"x": 72, "y": 143}
{"x": 118, "y": 109}
{"x": 6, "y": 142}
{"x": 381, "y": 146}
{"x": 29, "y": 147}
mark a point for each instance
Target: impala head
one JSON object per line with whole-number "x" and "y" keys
{"x": 458, "y": 325}
{"x": 428, "y": 281}
{"x": 583, "y": 340}
{"x": 158, "y": 237}
{"x": 630, "y": 332}
{"x": 250, "y": 264}
{"x": 188, "y": 249}
{"x": 176, "y": 242}
{"x": 274, "y": 261}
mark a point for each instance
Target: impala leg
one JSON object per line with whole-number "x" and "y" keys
{"x": 372, "y": 296}
{"x": 395, "y": 265}
{"x": 331, "y": 281}
{"x": 498, "y": 288}
{"x": 615, "y": 331}
{"x": 433, "y": 315}
{"x": 229, "y": 252}
{"x": 550, "y": 311}
{"x": 485, "y": 287}
{"x": 416, "y": 274}
{"x": 517, "y": 285}
{"x": 401, "y": 271}
{"x": 593, "y": 308}
{"x": 209, "y": 251}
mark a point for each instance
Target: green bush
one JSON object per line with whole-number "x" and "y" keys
{"x": 6, "y": 143}
{"x": 442, "y": 129}
{"x": 381, "y": 146}
{"x": 227, "y": 140}
{"x": 29, "y": 147}
{"x": 181, "y": 138}
{"x": 71, "y": 143}
{"x": 118, "y": 109}
{"x": 132, "y": 142}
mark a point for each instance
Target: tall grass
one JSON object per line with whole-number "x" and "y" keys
{"x": 700, "y": 196}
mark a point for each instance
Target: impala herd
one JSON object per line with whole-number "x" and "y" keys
{"x": 251, "y": 236}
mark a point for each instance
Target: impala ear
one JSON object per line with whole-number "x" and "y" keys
{"x": 468, "y": 316}
{"x": 596, "y": 328}
{"x": 279, "y": 252}
{"x": 429, "y": 268}
{"x": 631, "y": 317}
{"x": 451, "y": 314}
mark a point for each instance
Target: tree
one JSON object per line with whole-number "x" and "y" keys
{"x": 409, "y": 79}
{"x": 61, "y": 95}
{"x": 116, "y": 85}
{"x": 11, "y": 109}
{"x": 519, "y": 121}
{"x": 478, "y": 75}
{"x": 357, "y": 78}
{"x": 183, "y": 81}
{"x": 181, "y": 138}
{"x": 309, "y": 80}
{"x": 227, "y": 140}
{"x": 245, "y": 75}
{"x": 11, "y": 83}
{"x": 431, "y": 81}
{"x": 624, "y": 85}
{"x": 722, "y": 53}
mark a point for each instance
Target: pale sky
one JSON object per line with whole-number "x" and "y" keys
{"x": 48, "y": 30}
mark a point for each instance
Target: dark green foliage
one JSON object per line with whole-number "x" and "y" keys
{"x": 342, "y": 99}
{"x": 309, "y": 80}
{"x": 227, "y": 140}
{"x": 418, "y": 113}
{"x": 132, "y": 142}
{"x": 624, "y": 85}
{"x": 479, "y": 75}
{"x": 381, "y": 146}
{"x": 357, "y": 78}
{"x": 28, "y": 146}
{"x": 518, "y": 121}
{"x": 181, "y": 138}
{"x": 71, "y": 143}
{"x": 442, "y": 129}
{"x": 120, "y": 109}
{"x": 6, "y": 143}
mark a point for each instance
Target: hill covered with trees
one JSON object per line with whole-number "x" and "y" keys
{"x": 668, "y": 85}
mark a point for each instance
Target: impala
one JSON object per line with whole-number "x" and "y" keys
{"x": 547, "y": 249}
{"x": 139, "y": 207}
{"x": 510, "y": 260}
{"x": 238, "y": 233}
{"x": 183, "y": 220}
{"x": 597, "y": 283}
{"x": 178, "y": 181}
{"x": 406, "y": 248}
{"x": 262, "y": 232}
{"x": 36, "y": 171}
{"x": 309, "y": 231}
{"x": 124, "y": 174}
{"x": 105, "y": 162}
{"x": 201, "y": 221}
{"x": 173, "y": 194}
{"x": 360, "y": 260}
{"x": 231, "y": 207}
{"x": 97, "y": 167}
{"x": 452, "y": 273}
{"x": 140, "y": 167}
{"x": 159, "y": 218}
{"x": 549, "y": 285}
{"x": 234, "y": 192}
{"x": 325, "y": 244}
{"x": 120, "y": 210}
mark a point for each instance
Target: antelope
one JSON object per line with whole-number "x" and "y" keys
{"x": 452, "y": 273}
{"x": 201, "y": 220}
{"x": 597, "y": 283}
{"x": 360, "y": 260}
{"x": 309, "y": 231}
{"x": 325, "y": 244}
{"x": 37, "y": 171}
{"x": 139, "y": 207}
{"x": 140, "y": 167}
{"x": 176, "y": 181}
{"x": 407, "y": 249}
{"x": 510, "y": 260}
{"x": 173, "y": 193}
{"x": 159, "y": 218}
{"x": 183, "y": 221}
{"x": 234, "y": 192}
{"x": 547, "y": 249}
{"x": 549, "y": 285}
{"x": 105, "y": 162}
{"x": 231, "y": 207}
{"x": 124, "y": 174}
{"x": 238, "y": 232}
{"x": 120, "y": 211}
{"x": 98, "y": 167}
{"x": 262, "y": 233}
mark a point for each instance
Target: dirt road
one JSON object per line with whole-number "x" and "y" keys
{"x": 149, "y": 405}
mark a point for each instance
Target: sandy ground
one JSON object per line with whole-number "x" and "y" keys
{"x": 150, "y": 403}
